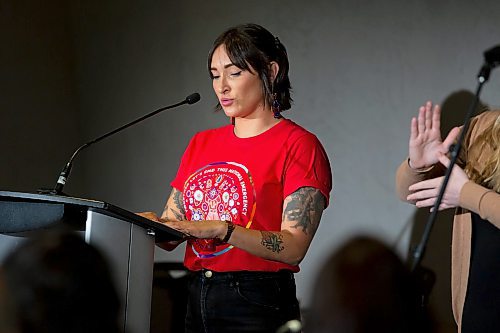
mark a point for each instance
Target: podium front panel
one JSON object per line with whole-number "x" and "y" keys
{"x": 130, "y": 251}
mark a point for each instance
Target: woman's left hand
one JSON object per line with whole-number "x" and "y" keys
{"x": 426, "y": 192}
{"x": 200, "y": 229}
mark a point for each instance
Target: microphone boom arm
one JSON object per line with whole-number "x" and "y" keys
{"x": 63, "y": 177}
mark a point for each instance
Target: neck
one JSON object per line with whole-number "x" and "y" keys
{"x": 246, "y": 127}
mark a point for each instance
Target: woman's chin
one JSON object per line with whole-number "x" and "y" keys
{"x": 229, "y": 112}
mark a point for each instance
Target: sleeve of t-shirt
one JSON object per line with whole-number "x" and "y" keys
{"x": 183, "y": 171}
{"x": 307, "y": 166}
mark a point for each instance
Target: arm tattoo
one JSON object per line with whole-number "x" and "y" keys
{"x": 305, "y": 208}
{"x": 178, "y": 209}
{"x": 272, "y": 241}
{"x": 179, "y": 202}
{"x": 178, "y": 215}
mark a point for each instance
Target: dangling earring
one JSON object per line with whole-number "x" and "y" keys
{"x": 276, "y": 106}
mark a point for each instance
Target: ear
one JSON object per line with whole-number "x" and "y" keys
{"x": 274, "y": 70}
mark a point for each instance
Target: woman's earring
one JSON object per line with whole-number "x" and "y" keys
{"x": 276, "y": 107}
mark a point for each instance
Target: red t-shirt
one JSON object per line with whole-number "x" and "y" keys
{"x": 245, "y": 180}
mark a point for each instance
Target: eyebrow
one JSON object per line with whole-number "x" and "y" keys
{"x": 225, "y": 66}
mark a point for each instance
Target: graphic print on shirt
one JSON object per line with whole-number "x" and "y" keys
{"x": 219, "y": 191}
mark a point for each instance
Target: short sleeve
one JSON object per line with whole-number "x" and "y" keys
{"x": 307, "y": 166}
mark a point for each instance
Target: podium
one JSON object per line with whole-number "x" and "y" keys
{"x": 124, "y": 238}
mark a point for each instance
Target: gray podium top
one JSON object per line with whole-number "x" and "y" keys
{"x": 22, "y": 212}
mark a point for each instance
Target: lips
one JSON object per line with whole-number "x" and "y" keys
{"x": 226, "y": 102}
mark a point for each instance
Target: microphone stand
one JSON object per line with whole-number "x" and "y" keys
{"x": 418, "y": 254}
{"x": 61, "y": 181}
{"x": 492, "y": 59}
{"x": 424, "y": 277}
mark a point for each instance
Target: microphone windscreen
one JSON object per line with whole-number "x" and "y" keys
{"x": 193, "y": 98}
{"x": 492, "y": 56}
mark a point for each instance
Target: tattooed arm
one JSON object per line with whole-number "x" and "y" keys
{"x": 302, "y": 212}
{"x": 174, "y": 208}
{"x": 173, "y": 211}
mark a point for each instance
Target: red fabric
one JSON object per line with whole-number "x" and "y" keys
{"x": 224, "y": 177}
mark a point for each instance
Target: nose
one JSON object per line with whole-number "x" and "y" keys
{"x": 221, "y": 85}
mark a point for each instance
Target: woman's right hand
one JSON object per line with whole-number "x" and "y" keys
{"x": 150, "y": 216}
{"x": 168, "y": 245}
{"x": 425, "y": 146}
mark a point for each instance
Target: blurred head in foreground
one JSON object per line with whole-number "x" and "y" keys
{"x": 55, "y": 282}
{"x": 364, "y": 287}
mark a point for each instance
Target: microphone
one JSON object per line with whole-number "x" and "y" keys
{"x": 193, "y": 98}
{"x": 492, "y": 56}
{"x": 491, "y": 60}
{"x": 63, "y": 177}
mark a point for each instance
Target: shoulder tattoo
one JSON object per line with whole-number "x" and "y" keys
{"x": 305, "y": 209}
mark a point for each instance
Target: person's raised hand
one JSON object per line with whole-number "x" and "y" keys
{"x": 426, "y": 145}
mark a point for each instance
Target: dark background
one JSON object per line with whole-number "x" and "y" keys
{"x": 73, "y": 70}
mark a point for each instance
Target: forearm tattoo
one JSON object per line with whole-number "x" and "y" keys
{"x": 272, "y": 241}
{"x": 178, "y": 209}
{"x": 305, "y": 209}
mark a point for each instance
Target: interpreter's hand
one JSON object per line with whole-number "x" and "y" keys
{"x": 200, "y": 229}
{"x": 425, "y": 146}
{"x": 426, "y": 192}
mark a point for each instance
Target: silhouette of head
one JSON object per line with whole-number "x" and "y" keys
{"x": 363, "y": 287}
{"x": 59, "y": 283}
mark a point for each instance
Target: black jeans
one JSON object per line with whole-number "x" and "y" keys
{"x": 240, "y": 301}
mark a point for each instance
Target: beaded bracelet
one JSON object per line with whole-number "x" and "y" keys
{"x": 230, "y": 229}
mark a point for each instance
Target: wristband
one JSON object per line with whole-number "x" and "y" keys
{"x": 230, "y": 229}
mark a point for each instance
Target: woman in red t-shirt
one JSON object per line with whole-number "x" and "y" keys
{"x": 249, "y": 196}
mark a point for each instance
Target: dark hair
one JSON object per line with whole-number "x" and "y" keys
{"x": 250, "y": 46}
{"x": 59, "y": 283}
